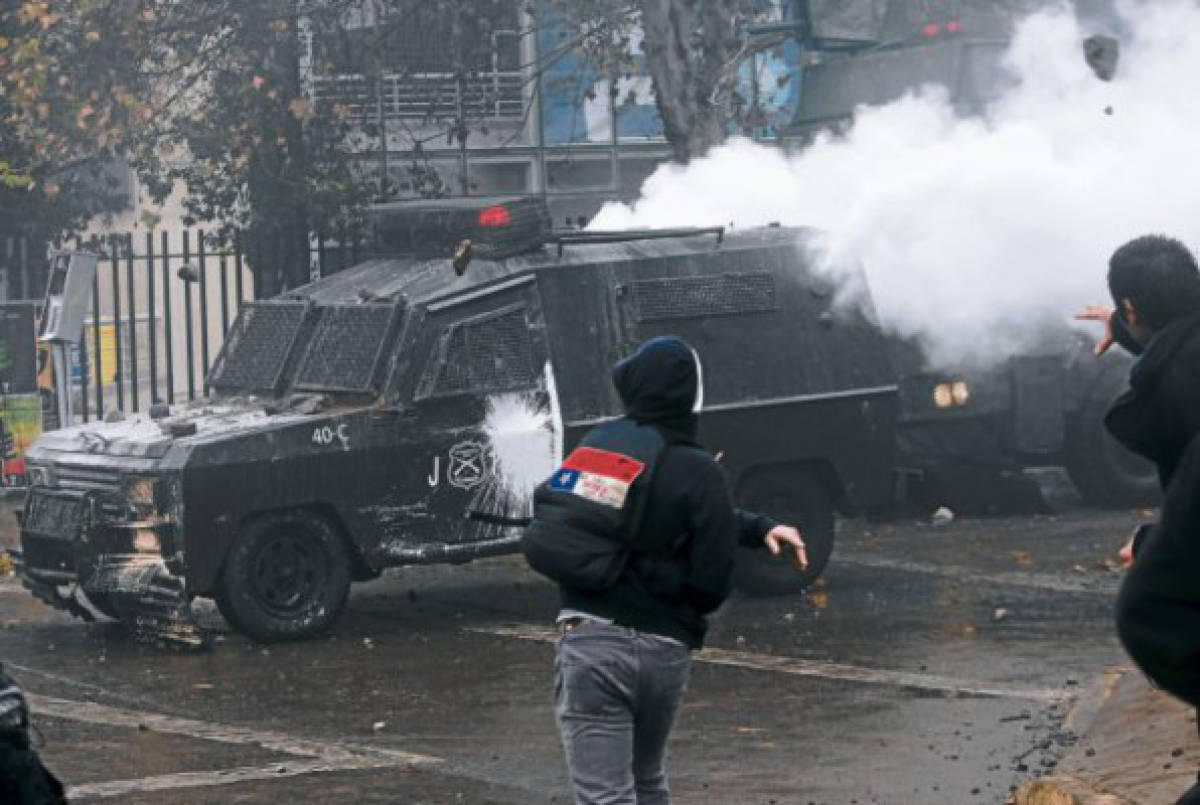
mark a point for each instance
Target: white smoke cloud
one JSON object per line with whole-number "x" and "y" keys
{"x": 977, "y": 232}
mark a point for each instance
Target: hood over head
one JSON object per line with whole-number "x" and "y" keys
{"x": 662, "y": 383}
{"x": 1162, "y": 347}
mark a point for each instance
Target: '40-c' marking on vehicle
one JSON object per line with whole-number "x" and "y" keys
{"x": 325, "y": 435}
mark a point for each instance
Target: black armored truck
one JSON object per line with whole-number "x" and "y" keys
{"x": 967, "y": 433}
{"x": 401, "y": 412}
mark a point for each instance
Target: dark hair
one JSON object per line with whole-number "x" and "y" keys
{"x": 1159, "y": 275}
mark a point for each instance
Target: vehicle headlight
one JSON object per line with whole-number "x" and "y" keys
{"x": 949, "y": 395}
{"x": 141, "y": 491}
{"x": 145, "y": 540}
{"x": 38, "y": 476}
{"x": 943, "y": 395}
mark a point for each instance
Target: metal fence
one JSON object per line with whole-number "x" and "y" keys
{"x": 22, "y": 268}
{"x": 161, "y": 306}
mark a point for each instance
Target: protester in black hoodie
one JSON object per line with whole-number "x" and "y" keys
{"x": 623, "y": 662}
{"x": 23, "y": 778}
{"x": 1155, "y": 284}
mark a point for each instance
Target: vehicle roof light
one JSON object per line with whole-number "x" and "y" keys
{"x": 495, "y": 216}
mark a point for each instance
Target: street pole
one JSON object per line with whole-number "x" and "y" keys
{"x": 381, "y": 119}
{"x": 62, "y": 385}
{"x": 380, "y": 116}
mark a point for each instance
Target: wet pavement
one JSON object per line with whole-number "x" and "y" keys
{"x": 933, "y": 665}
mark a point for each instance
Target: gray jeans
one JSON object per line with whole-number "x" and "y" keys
{"x": 616, "y": 694}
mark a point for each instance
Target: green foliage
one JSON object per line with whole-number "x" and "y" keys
{"x": 207, "y": 95}
{"x": 49, "y": 185}
{"x": 216, "y": 97}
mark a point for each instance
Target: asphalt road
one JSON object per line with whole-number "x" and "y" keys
{"x": 934, "y": 665}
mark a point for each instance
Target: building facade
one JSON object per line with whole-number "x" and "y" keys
{"x": 533, "y": 113}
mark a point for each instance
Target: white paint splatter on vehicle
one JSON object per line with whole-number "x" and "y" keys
{"x": 524, "y": 433}
{"x": 521, "y": 437}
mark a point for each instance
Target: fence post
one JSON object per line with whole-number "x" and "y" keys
{"x": 223, "y": 266}
{"x": 113, "y": 245}
{"x": 131, "y": 293}
{"x": 189, "y": 339}
{"x": 99, "y": 379}
{"x": 10, "y": 248}
{"x": 168, "y": 343}
{"x": 202, "y": 258}
{"x": 239, "y": 268}
{"x": 83, "y": 381}
{"x": 152, "y": 324}
{"x": 23, "y": 245}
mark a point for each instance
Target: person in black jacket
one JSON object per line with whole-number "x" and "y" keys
{"x": 23, "y": 778}
{"x": 1155, "y": 283}
{"x": 623, "y": 661}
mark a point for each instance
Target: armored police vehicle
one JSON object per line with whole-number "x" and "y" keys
{"x": 964, "y": 431}
{"x": 402, "y": 411}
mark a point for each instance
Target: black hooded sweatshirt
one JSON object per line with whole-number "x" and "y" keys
{"x": 683, "y": 554}
{"x": 1158, "y": 609}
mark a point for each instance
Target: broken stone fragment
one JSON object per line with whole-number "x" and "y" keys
{"x": 1102, "y": 54}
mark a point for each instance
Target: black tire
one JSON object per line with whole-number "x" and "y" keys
{"x": 799, "y": 499}
{"x": 285, "y": 578}
{"x": 1104, "y": 472}
{"x": 103, "y": 603}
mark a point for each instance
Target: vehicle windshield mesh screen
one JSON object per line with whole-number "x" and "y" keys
{"x": 346, "y": 348}
{"x": 487, "y": 354}
{"x": 498, "y": 352}
{"x": 256, "y": 350}
{"x": 455, "y": 376}
{"x": 693, "y": 297}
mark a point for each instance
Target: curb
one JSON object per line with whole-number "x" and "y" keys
{"x": 1137, "y": 746}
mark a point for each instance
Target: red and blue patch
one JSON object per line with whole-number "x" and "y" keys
{"x": 600, "y": 476}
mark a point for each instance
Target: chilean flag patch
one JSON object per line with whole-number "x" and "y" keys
{"x": 598, "y": 475}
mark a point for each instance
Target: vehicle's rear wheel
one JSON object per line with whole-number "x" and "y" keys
{"x": 1104, "y": 472}
{"x": 285, "y": 578}
{"x": 800, "y": 499}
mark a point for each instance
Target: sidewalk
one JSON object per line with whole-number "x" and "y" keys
{"x": 1141, "y": 749}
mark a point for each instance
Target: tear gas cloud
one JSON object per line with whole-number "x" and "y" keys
{"x": 976, "y": 233}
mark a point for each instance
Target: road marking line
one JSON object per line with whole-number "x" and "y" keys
{"x": 202, "y": 779}
{"x": 317, "y": 756}
{"x": 68, "y": 681}
{"x": 1099, "y": 585}
{"x": 822, "y": 669}
{"x": 93, "y": 713}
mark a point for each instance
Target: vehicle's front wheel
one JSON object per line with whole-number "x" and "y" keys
{"x": 104, "y": 604}
{"x": 285, "y": 578}
{"x": 800, "y": 499}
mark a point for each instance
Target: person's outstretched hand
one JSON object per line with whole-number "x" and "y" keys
{"x": 1125, "y": 555}
{"x": 782, "y": 535}
{"x": 1100, "y": 314}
